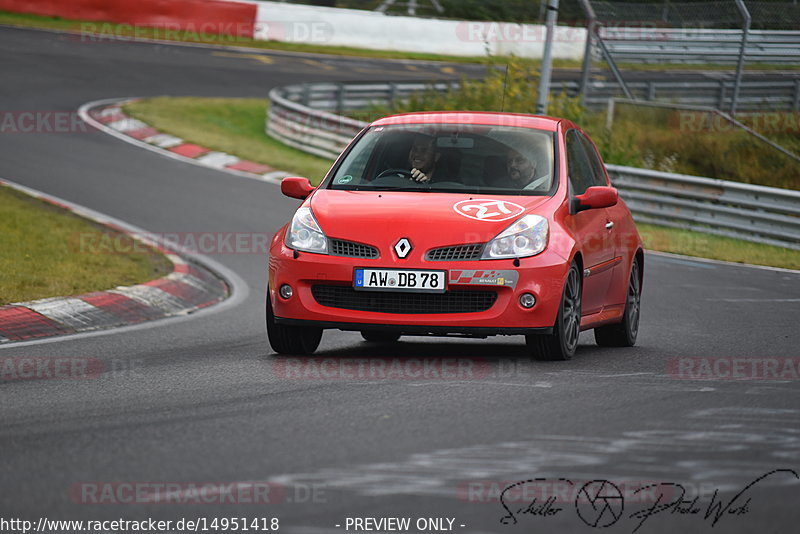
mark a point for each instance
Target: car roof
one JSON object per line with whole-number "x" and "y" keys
{"x": 487, "y": 118}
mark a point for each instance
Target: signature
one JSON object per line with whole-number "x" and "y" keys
{"x": 601, "y": 503}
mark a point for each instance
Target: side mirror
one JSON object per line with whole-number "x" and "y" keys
{"x": 594, "y": 198}
{"x": 296, "y": 187}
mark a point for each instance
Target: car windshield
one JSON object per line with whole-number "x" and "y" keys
{"x": 449, "y": 158}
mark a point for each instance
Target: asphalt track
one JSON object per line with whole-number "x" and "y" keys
{"x": 203, "y": 399}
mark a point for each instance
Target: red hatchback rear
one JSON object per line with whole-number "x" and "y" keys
{"x": 475, "y": 224}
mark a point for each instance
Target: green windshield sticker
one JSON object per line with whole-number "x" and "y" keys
{"x": 346, "y": 179}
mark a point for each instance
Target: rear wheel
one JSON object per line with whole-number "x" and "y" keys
{"x": 561, "y": 344}
{"x": 624, "y": 334}
{"x": 298, "y": 340}
{"x": 376, "y": 336}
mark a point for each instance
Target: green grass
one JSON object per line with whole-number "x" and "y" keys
{"x": 46, "y": 251}
{"x": 236, "y": 126}
{"x": 232, "y": 125}
{"x": 701, "y": 245}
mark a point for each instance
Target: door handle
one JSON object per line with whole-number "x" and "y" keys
{"x": 609, "y": 225}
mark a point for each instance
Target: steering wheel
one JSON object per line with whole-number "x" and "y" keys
{"x": 402, "y": 173}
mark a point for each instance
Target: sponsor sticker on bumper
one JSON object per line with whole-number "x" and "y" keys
{"x": 484, "y": 278}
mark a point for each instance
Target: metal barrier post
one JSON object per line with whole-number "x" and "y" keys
{"x": 796, "y": 103}
{"x": 740, "y": 65}
{"x": 547, "y": 59}
{"x": 591, "y": 29}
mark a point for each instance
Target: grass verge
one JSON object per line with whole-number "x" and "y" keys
{"x": 236, "y": 126}
{"x": 232, "y": 125}
{"x": 690, "y": 243}
{"x": 41, "y": 256}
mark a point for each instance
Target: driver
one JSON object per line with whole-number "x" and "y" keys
{"x": 423, "y": 158}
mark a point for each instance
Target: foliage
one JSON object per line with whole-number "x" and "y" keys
{"x": 641, "y": 137}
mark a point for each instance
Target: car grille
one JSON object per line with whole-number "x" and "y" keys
{"x": 457, "y": 252}
{"x": 402, "y": 302}
{"x": 349, "y": 249}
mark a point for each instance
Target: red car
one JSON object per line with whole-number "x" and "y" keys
{"x": 453, "y": 223}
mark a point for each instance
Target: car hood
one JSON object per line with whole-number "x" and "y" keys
{"x": 427, "y": 219}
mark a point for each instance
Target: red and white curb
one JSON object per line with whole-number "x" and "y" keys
{"x": 190, "y": 287}
{"x": 107, "y": 116}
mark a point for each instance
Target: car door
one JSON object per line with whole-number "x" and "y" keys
{"x": 615, "y": 225}
{"x": 589, "y": 228}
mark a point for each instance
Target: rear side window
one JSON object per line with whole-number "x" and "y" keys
{"x": 598, "y": 175}
{"x": 581, "y": 176}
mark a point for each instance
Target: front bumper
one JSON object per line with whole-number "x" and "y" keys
{"x": 542, "y": 275}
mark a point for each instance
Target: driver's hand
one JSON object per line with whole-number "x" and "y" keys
{"x": 419, "y": 176}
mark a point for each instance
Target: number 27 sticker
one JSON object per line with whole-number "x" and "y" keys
{"x": 485, "y": 209}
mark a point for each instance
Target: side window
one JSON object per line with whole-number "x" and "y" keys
{"x": 598, "y": 175}
{"x": 580, "y": 170}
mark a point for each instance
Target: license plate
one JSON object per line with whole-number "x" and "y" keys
{"x": 400, "y": 280}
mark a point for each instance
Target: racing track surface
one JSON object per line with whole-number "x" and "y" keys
{"x": 203, "y": 400}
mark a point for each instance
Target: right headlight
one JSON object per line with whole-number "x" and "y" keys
{"x": 305, "y": 234}
{"x": 525, "y": 237}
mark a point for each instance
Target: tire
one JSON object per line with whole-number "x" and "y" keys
{"x": 376, "y": 336}
{"x": 296, "y": 340}
{"x": 562, "y": 343}
{"x": 624, "y": 334}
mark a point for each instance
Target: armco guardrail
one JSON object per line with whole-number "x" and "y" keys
{"x": 750, "y": 212}
{"x": 772, "y": 95}
{"x": 753, "y": 95}
{"x": 693, "y": 45}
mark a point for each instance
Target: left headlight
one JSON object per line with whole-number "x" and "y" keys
{"x": 526, "y": 237}
{"x": 305, "y": 234}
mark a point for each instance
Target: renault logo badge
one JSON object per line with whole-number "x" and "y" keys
{"x": 402, "y": 248}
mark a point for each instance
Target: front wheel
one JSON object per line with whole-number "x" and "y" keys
{"x": 297, "y": 340}
{"x": 561, "y": 344}
{"x": 624, "y": 334}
